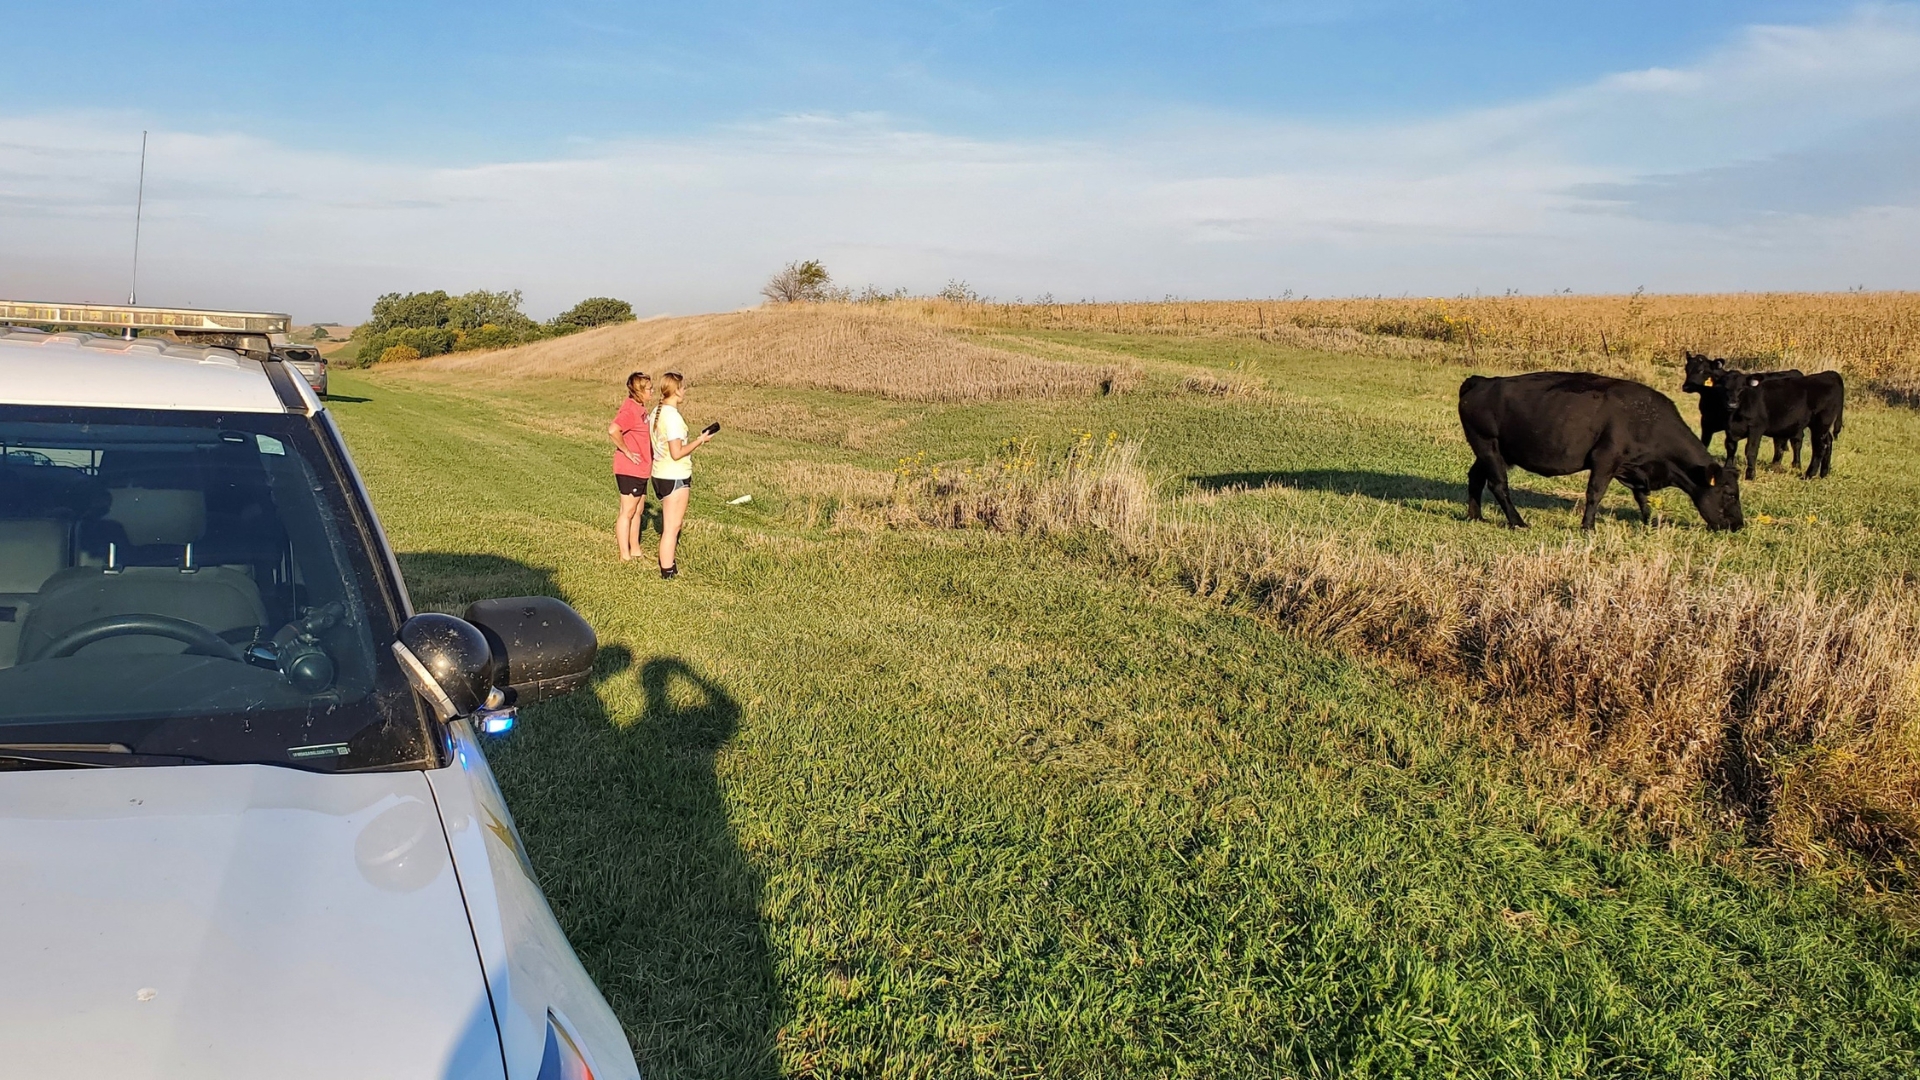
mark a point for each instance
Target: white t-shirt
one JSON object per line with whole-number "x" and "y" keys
{"x": 666, "y": 427}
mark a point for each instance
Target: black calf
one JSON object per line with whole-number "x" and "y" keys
{"x": 1778, "y": 407}
{"x": 1717, "y": 384}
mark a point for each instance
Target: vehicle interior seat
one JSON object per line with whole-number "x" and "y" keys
{"x": 32, "y": 550}
{"x": 239, "y": 527}
{"x": 149, "y": 569}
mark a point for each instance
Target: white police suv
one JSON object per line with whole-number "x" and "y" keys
{"x": 246, "y": 827}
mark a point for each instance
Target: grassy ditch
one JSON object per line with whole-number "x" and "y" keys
{"x": 1713, "y": 702}
{"x": 860, "y": 796}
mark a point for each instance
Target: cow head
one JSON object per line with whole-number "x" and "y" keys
{"x": 1717, "y": 496}
{"x": 1702, "y": 373}
{"x": 1744, "y": 399}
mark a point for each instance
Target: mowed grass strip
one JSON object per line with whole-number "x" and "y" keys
{"x": 962, "y": 804}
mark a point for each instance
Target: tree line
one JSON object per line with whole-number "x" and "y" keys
{"x": 408, "y": 326}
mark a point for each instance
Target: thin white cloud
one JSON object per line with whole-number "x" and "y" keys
{"x": 1581, "y": 189}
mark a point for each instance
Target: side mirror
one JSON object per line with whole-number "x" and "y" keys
{"x": 448, "y": 662}
{"x": 541, "y": 647}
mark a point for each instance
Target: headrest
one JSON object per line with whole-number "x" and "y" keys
{"x": 159, "y": 515}
{"x": 31, "y": 551}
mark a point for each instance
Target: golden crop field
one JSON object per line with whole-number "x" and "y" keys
{"x": 1873, "y": 337}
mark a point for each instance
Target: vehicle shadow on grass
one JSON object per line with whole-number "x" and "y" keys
{"x": 625, "y": 822}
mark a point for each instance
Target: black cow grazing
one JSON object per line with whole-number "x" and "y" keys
{"x": 1716, "y": 383}
{"x": 1560, "y": 422}
{"x": 1773, "y": 407}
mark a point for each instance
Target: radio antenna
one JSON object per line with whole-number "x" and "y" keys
{"x": 139, "y": 204}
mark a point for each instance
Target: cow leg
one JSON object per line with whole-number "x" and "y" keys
{"x": 1646, "y": 510}
{"x": 1598, "y": 478}
{"x": 1798, "y": 438}
{"x": 1497, "y": 479}
{"x": 1779, "y": 451}
{"x": 1489, "y": 471}
{"x": 1753, "y": 455}
{"x": 1820, "y": 461}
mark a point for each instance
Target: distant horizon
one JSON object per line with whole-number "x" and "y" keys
{"x": 676, "y": 158}
{"x": 298, "y": 322}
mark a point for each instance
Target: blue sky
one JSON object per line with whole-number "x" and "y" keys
{"x": 308, "y": 157}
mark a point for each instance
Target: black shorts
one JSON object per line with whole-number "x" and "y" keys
{"x": 630, "y": 485}
{"x": 662, "y": 487}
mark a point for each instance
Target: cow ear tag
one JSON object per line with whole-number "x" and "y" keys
{"x": 1709, "y": 380}
{"x": 1712, "y": 480}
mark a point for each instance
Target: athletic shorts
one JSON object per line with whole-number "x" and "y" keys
{"x": 662, "y": 487}
{"x": 630, "y": 485}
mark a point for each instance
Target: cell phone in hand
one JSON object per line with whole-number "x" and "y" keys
{"x": 711, "y": 429}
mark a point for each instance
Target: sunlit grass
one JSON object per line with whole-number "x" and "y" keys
{"x": 858, "y": 801}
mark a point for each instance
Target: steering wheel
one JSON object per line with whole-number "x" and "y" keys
{"x": 199, "y": 640}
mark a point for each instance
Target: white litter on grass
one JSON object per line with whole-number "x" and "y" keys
{"x": 145, "y": 993}
{"x": 742, "y": 499}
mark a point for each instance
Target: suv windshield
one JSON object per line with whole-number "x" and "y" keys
{"x": 192, "y": 584}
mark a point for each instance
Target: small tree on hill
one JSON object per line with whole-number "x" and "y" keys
{"x": 799, "y": 282}
{"x": 594, "y": 311}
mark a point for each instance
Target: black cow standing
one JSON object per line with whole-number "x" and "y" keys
{"x": 1717, "y": 384}
{"x": 1558, "y": 422}
{"x": 1772, "y": 407}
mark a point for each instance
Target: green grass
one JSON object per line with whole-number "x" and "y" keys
{"x": 938, "y": 804}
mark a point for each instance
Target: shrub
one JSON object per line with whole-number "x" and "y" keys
{"x": 799, "y": 282}
{"x": 591, "y": 312}
{"x": 424, "y": 341}
{"x": 489, "y": 337}
{"x": 959, "y": 292}
{"x": 398, "y": 353}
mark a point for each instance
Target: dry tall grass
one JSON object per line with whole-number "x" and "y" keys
{"x": 1092, "y": 484}
{"x": 1874, "y": 337}
{"x": 843, "y": 348}
{"x": 1711, "y": 700}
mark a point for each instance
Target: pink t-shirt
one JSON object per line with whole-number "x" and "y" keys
{"x": 632, "y": 422}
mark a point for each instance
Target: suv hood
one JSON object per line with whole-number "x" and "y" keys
{"x": 234, "y": 920}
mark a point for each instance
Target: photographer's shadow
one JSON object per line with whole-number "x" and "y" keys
{"x": 624, "y": 821}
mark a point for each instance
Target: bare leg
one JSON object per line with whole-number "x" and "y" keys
{"x": 673, "y": 510}
{"x": 626, "y": 528}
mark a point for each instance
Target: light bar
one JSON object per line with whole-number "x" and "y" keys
{"x": 128, "y": 317}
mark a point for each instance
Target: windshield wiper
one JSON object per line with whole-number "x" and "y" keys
{"x": 91, "y": 755}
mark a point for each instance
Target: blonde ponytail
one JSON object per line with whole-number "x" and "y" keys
{"x": 669, "y": 392}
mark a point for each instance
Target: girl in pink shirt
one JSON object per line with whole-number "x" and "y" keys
{"x": 632, "y": 462}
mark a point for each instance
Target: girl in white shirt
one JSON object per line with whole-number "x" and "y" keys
{"x": 672, "y": 466}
